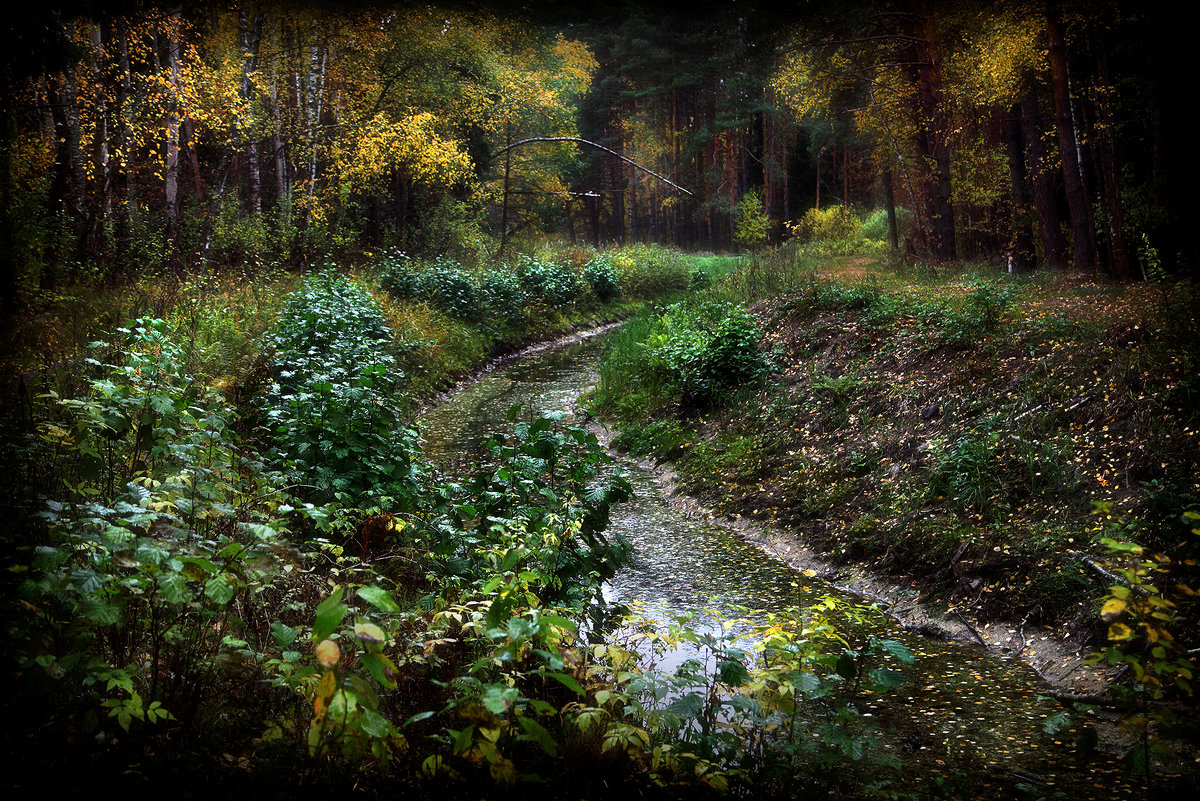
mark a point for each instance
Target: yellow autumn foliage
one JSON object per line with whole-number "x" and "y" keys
{"x": 381, "y": 146}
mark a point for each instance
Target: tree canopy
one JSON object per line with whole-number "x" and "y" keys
{"x": 163, "y": 134}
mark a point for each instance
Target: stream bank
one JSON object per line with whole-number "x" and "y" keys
{"x": 934, "y": 445}
{"x": 964, "y": 718}
{"x": 1056, "y": 657}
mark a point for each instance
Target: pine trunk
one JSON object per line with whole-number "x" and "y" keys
{"x": 1022, "y": 254}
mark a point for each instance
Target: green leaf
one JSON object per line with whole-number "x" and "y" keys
{"x": 732, "y": 672}
{"x": 375, "y": 724}
{"x": 382, "y": 668}
{"x": 173, "y": 588}
{"x": 1056, "y": 723}
{"x": 806, "y": 683}
{"x": 417, "y": 718}
{"x": 688, "y": 706}
{"x": 284, "y": 635}
{"x": 498, "y": 698}
{"x": 853, "y": 748}
{"x": 219, "y": 589}
{"x": 567, "y": 681}
{"x": 379, "y": 598}
{"x": 744, "y": 703}
{"x": 887, "y": 679}
{"x": 329, "y": 615}
{"x": 560, "y": 622}
{"x": 370, "y": 633}
{"x": 463, "y": 739}
{"x": 899, "y": 650}
{"x": 537, "y": 733}
{"x": 846, "y": 666}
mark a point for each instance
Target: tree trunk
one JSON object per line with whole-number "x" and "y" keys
{"x": 1082, "y": 231}
{"x": 817, "y": 205}
{"x": 1107, "y": 153}
{"x": 129, "y": 217}
{"x": 845, "y": 176}
{"x": 171, "y": 174}
{"x": 283, "y": 200}
{"x": 635, "y": 227}
{"x": 314, "y": 103}
{"x": 618, "y": 199}
{"x": 1021, "y": 244}
{"x": 251, "y": 37}
{"x": 67, "y": 185}
{"x": 507, "y": 188}
{"x": 933, "y": 130}
{"x": 889, "y": 200}
{"x": 101, "y": 205}
{"x": 1054, "y": 247}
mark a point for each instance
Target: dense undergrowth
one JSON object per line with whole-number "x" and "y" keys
{"x": 238, "y": 570}
{"x": 1019, "y": 448}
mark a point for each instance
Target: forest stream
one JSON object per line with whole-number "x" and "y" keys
{"x": 964, "y": 721}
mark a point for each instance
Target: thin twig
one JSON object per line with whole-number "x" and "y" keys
{"x": 972, "y": 629}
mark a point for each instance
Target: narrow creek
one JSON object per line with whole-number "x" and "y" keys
{"x": 963, "y": 718}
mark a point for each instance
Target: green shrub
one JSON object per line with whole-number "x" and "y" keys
{"x": 156, "y": 552}
{"x": 553, "y": 283}
{"x": 601, "y": 276}
{"x": 750, "y": 221}
{"x": 398, "y": 275}
{"x": 448, "y": 287}
{"x": 332, "y": 406}
{"x": 648, "y": 271}
{"x": 981, "y": 314}
{"x": 663, "y": 439}
{"x": 832, "y": 296}
{"x": 710, "y": 349}
{"x": 501, "y": 294}
{"x": 967, "y": 474}
{"x": 831, "y": 224}
{"x": 875, "y": 226}
{"x": 700, "y": 279}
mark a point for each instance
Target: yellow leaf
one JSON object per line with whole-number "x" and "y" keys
{"x": 1119, "y": 631}
{"x": 327, "y": 687}
{"x": 328, "y": 653}
{"x": 1112, "y": 608}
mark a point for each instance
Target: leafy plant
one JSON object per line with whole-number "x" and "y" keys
{"x": 500, "y": 292}
{"x": 332, "y": 408}
{"x": 553, "y": 283}
{"x": 446, "y": 286}
{"x": 750, "y": 221}
{"x": 967, "y": 472}
{"x": 601, "y": 276}
{"x": 757, "y": 701}
{"x": 833, "y": 223}
{"x": 152, "y": 542}
{"x": 1151, "y": 617}
{"x": 981, "y": 315}
{"x": 709, "y": 350}
{"x": 398, "y": 275}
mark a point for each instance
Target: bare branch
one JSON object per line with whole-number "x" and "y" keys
{"x": 580, "y": 141}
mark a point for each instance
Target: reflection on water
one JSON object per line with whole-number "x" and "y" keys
{"x": 961, "y": 709}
